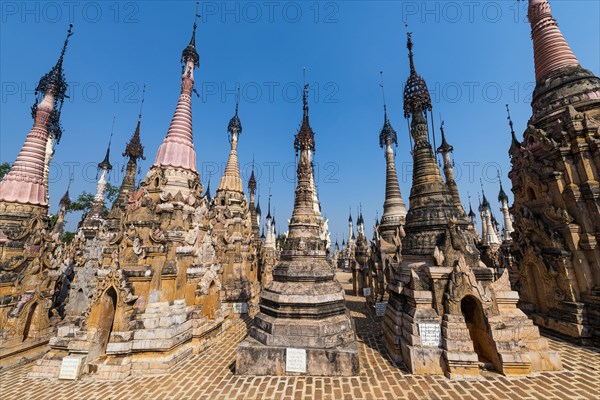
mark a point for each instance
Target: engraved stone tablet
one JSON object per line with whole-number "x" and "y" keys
{"x": 380, "y": 308}
{"x": 431, "y": 334}
{"x": 240, "y": 308}
{"x": 71, "y": 367}
{"x": 295, "y": 360}
{"x": 366, "y": 291}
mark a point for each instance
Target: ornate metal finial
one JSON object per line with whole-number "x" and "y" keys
{"x": 252, "y": 180}
{"x": 65, "y": 201}
{"x": 105, "y": 164}
{"x": 383, "y": 94}
{"x": 190, "y": 51}
{"x": 134, "y": 149}
{"x": 501, "y": 195}
{"x": 444, "y": 147}
{"x": 55, "y": 82}
{"x": 142, "y": 103}
{"x": 471, "y": 213}
{"x": 484, "y": 201}
{"x": 416, "y": 94}
{"x": 409, "y": 46}
{"x": 305, "y": 139}
{"x": 235, "y": 125}
{"x": 269, "y": 205}
{"x": 305, "y": 101}
{"x": 207, "y": 191}
{"x": 510, "y": 124}
{"x": 387, "y": 134}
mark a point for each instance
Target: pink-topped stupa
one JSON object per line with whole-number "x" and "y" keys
{"x": 551, "y": 50}
{"x": 177, "y": 150}
{"x": 25, "y": 184}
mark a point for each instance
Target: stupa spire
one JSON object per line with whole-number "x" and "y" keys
{"x": 394, "y": 209}
{"x": 432, "y": 205}
{"x": 25, "y": 183}
{"x": 134, "y": 150}
{"x": 550, "y": 49}
{"x": 104, "y": 167}
{"x": 416, "y": 94}
{"x": 303, "y": 285}
{"x": 445, "y": 149}
{"x": 515, "y": 142}
{"x": 105, "y": 164}
{"x": 231, "y": 179}
{"x": 177, "y": 150}
{"x": 252, "y": 181}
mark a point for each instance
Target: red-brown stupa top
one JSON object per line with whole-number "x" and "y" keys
{"x": 550, "y": 49}
{"x": 177, "y": 150}
{"x": 24, "y": 184}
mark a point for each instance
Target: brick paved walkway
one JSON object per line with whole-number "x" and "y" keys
{"x": 209, "y": 376}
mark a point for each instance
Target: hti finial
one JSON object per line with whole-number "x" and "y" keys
{"x": 510, "y": 123}
{"x": 64, "y": 49}
{"x": 409, "y": 46}
{"x": 305, "y": 100}
{"x": 235, "y": 125}
{"x": 142, "y": 103}
{"x": 190, "y": 51}
{"x": 196, "y": 16}
{"x": 105, "y": 164}
{"x": 112, "y": 130}
{"x": 383, "y": 94}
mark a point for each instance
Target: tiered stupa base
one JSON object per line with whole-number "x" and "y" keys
{"x": 480, "y": 326}
{"x": 255, "y": 358}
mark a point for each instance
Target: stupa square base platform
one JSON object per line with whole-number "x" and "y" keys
{"x": 255, "y": 358}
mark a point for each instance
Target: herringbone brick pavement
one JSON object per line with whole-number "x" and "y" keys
{"x": 210, "y": 376}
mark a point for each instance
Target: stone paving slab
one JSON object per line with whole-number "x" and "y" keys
{"x": 210, "y": 376}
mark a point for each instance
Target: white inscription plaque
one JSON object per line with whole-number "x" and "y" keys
{"x": 240, "y": 308}
{"x": 366, "y": 291}
{"x": 71, "y": 366}
{"x": 431, "y": 334}
{"x": 295, "y": 360}
{"x": 380, "y": 308}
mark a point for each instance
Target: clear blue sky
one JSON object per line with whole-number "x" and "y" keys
{"x": 475, "y": 57}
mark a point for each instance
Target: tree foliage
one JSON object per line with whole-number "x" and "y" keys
{"x": 280, "y": 240}
{"x": 85, "y": 200}
{"x": 4, "y": 169}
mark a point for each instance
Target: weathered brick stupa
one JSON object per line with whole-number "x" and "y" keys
{"x": 231, "y": 221}
{"x": 388, "y": 232}
{"x": 28, "y": 252}
{"x": 157, "y": 289}
{"x": 555, "y": 176}
{"x": 303, "y": 326}
{"x": 447, "y": 312}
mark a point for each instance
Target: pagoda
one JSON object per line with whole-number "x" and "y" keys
{"x": 29, "y": 261}
{"x": 303, "y": 326}
{"x": 555, "y": 180}
{"x": 448, "y": 313}
{"x": 157, "y": 288}
{"x": 234, "y": 232}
